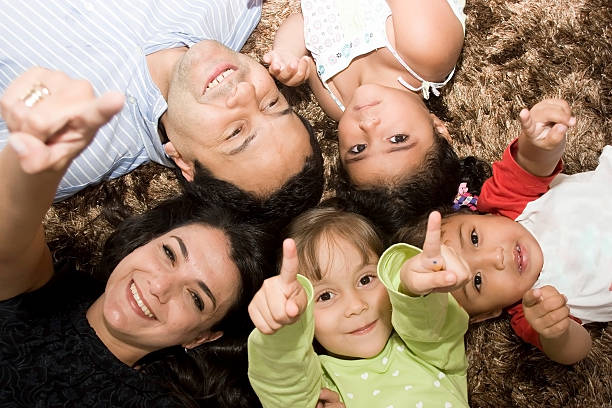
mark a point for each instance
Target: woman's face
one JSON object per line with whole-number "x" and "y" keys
{"x": 384, "y": 134}
{"x": 172, "y": 290}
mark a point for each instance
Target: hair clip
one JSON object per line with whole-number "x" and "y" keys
{"x": 464, "y": 198}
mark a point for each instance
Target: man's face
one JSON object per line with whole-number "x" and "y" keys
{"x": 225, "y": 111}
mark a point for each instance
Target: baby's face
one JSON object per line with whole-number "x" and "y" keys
{"x": 504, "y": 257}
{"x": 384, "y": 134}
{"x": 352, "y": 310}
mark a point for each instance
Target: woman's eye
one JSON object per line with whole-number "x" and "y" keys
{"x": 398, "y": 138}
{"x": 358, "y": 148}
{"x": 169, "y": 253}
{"x": 365, "y": 280}
{"x": 477, "y": 281}
{"x": 197, "y": 301}
{"x": 474, "y": 238}
{"x": 324, "y": 297}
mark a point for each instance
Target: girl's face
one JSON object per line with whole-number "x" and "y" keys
{"x": 504, "y": 257}
{"x": 171, "y": 290}
{"x": 352, "y": 310}
{"x": 383, "y": 134}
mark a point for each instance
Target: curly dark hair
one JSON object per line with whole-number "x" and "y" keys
{"x": 434, "y": 185}
{"x": 213, "y": 374}
{"x": 300, "y": 192}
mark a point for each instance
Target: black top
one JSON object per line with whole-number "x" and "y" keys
{"x": 50, "y": 356}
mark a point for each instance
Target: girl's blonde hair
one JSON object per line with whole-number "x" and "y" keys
{"x": 325, "y": 226}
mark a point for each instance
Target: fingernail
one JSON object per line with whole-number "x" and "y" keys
{"x": 572, "y": 121}
{"x": 562, "y": 128}
{"x": 18, "y": 145}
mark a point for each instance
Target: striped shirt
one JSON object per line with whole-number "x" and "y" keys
{"x": 106, "y": 42}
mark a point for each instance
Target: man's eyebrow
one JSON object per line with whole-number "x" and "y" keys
{"x": 392, "y": 150}
{"x": 252, "y": 136}
{"x": 182, "y": 246}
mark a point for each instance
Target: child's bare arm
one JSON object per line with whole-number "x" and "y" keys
{"x": 427, "y": 35}
{"x": 289, "y": 61}
{"x": 437, "y": 269}
{"x": 563, "y": 339}
{"x": 542, "y": 139}
{"x": 281, "y": 299}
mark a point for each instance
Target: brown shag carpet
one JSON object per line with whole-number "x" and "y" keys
{"x": 516, "y": 53}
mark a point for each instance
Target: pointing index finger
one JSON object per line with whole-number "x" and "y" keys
{"x": 289, "y": 266}
{"x": 431, "y": 246}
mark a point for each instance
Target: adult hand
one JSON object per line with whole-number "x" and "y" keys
{"x": 438, "y": 268}
{"x": 329, "y": 399}
{"x": 52, "y": 117}
{"x": 281, "y": 299}
{"x": 287, "y": 68}
{"x": 546, "y": 311}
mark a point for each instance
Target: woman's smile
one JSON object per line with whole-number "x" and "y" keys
{"x": 137, "y": 302}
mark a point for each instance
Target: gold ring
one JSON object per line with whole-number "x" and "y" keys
{"x": 36, "y": 93}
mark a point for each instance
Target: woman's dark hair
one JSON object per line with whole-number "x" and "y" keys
{"x": 434, "y": 185}
{"x": 300, "y": 192}
{"x": 214, "y": 374}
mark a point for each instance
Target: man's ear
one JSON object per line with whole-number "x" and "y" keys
{"x": 481, "y": 317}
{"x": 440, "y": 127}
{"x": 205, "y": 337}
{"x": 187, "y": 168}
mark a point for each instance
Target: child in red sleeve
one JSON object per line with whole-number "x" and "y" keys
{"x": 546, "y": 241}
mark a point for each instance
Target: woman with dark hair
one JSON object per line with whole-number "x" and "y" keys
{"x": 178, "y": 278}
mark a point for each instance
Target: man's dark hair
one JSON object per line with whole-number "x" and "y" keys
{"x": 300, "y": 192}
{"x": 434, "y": 185}
{"x": 214, "y": 373}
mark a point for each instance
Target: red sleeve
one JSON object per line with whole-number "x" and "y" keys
{"x": 511, "y": 187}
{"x": 522, "y": 328}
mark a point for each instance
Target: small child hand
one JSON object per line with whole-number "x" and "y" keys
{"x": 281, "y": 299}
{"x": 546, "y": 124}
{"x": 546, "y": 311}
{"x": 438, "y": 268}
{"x": 289, "y": 69}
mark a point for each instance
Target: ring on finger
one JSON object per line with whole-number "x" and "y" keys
{"x": 35, "y": 94}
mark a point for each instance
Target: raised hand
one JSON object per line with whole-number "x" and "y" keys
{"x": 546, "y": 311}
{"x": 52, "y": 117}
{"x": 546, "y": 124}
{"x": 543, "y": 135}
{"x": 281, "y": 299}
{"x": 289, "y": 69}
{"x": 437, "y": 269}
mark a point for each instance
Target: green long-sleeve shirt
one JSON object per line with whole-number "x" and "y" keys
{"x": 422, "y": 365}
